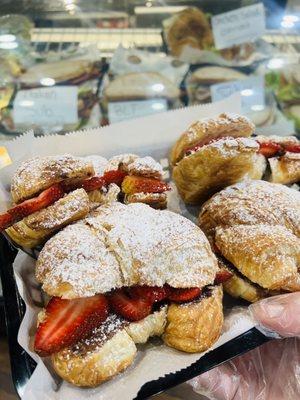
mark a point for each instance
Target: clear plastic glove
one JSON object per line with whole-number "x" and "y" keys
{"x": 269, "y": 372}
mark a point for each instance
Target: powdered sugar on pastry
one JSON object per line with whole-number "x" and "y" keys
{"x": 277, "y": 139}
{"x": 122, "y": 246}
{"x": 99, "y": 164}
{"x": 146, "y": 166}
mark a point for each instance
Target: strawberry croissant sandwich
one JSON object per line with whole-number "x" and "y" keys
{"x": 54, "y": 191}
{"x": 116, "y": 278}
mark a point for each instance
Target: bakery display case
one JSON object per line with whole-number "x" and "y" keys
{"x": 73, "y": 65}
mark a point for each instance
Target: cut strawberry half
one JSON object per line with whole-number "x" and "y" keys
{"x": 151, "y": 293}
{"x": 138, "y": 184}
{"x": 270, "y": 149}
{"x": 133, "y": 309}
{"x": 184, "y": 295}
{"x": 94, "y": 183}
{"x": 27, "y": 207}
{"x": 292, "y": 147}
{"x": 116, "y": 177}
{"x": 68, "y": 321}
{"x": 222, "y": 276}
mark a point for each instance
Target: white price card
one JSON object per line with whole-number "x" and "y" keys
{"x": 49, "y": 106}
{"x": 252, "y": 92}
{"x": 245, "y": 24}
{"x": 122, "y": 110}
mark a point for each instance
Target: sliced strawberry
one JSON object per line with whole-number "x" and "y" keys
{"x": 269, "y": 149}
{"x": 138, "y": 184}
{"x": 43, "y": 200}
{"x": 133, "y": 309}
{"x": 184, "y": 295}
{"x": 94, "y": 183}
{"x": 68, "y": 321}
{"x": 116, "y": 177}
{"x": 222, "y": 276}
{"x": 292, "y": 147}
{"x": 6, "y": 220}
{"x": 151, "y": 293}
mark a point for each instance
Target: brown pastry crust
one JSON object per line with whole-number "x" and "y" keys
{"x": 93, "y": 367}
{"x": 215, "y": 166}
{"x": 194, "y": 327}
{"x": 155, "y": 200}
{"x": 124, "y": 246}
{"x": 256, "y": 226}
{"x": 189, "y": 27}
{"x": 285, "y": 169}
{"x": 39, "y": 173}
{"x": 267, "y": 255}
{"x": 37, "y": 227}
{"x": 212, "y": 128}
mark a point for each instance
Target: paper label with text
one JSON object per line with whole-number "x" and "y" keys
{"x": 243, "y": 25}
{"x": 122, "y": 110}
{"x": 251, "y": 89}
{"x": 48, "y": 106}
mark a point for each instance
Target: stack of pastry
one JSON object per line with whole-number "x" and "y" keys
{"x": 54, "y": 191}
{"x": 124, "y": 274}
{"x": 254, "y": 227}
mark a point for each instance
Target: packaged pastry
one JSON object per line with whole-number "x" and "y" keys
{"x": 51, "y": 192}
{"x": 127, "y": 272}
{"x": 253, "y": 226}
{"x": 141, "y": 83}
{"x": 191, "y": 27}
{"x": 80, "y": 73}
{"x": 199, "y": 81}
{"x": 214, "y": 153}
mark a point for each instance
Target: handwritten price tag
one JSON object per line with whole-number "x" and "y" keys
{"x": 251, "y": 89}
{"x": 121, "y": 110}
{"x": 46, "y": 106}
{"x": 238, "y": 26}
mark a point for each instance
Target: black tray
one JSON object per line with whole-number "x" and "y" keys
{"x": 22, "y": 365}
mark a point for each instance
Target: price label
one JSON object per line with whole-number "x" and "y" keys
{"x": 251, "y": 89}
{"x": 238, "y": 26}
{"x": 121, "y": 110}
{"x": 46, "y": 106}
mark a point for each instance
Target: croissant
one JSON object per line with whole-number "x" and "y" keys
{"x": 254, "y": 227}
{"x": 213, "y": 154}
{"x": 136, "y": 259}
{"x": 52, "y": 192}
{"x": 283, "y": 155}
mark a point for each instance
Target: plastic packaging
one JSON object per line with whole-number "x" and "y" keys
{"x": 270, "y": 372}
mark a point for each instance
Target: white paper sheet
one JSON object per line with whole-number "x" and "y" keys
{"x": 152, "y": 136}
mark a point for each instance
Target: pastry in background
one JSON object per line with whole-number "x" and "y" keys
{"x": 254, "y": 228}
{"x": 199, "y": 82}
{"x": 283, "y": 155}
{"x": 51, "y": 192}
{"x": 214, "y": 153}
{"x": 128, "y": 272}
{"x": 189, "y": 27}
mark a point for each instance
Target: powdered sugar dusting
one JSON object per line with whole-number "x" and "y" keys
{"x": 277, "y": 139}
{"x": 146, "y": 166}
{"x": 126, "y": 245}
{"x": 39, "y": 173}
{"x": 99, "y": 163}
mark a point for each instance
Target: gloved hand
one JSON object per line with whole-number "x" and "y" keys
{"x": 269, "y": 372}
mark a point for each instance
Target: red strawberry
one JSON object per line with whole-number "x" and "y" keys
{"x": 116, "y": 177}
{"x": 43, "y": 200}
{"x": 133, "y": 309}
{"x": 222, "y": 276}
{"x": 94, "y": 183}
{"x": 151, "y": 293}
{"x": 138, "y": 184}
{"x": 68, "y": 321}
{"x": 292, "y": 147}
{"x": 184, "y": 295}
{"x": 269, "y": 149}
{"x": 6, "y": 220}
